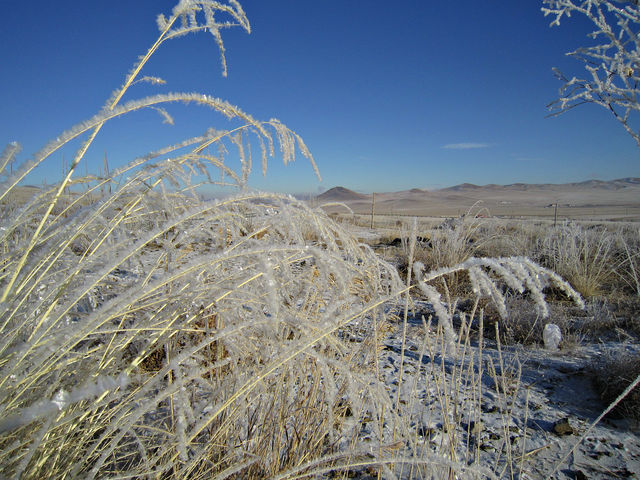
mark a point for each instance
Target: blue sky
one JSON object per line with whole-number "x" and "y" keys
{"x": 387, "y": 95}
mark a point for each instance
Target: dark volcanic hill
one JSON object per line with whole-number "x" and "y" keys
{"x": 340, "y": 194}
{"x": 461, "y": 187}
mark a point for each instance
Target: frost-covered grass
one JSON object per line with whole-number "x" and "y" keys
{"x": 147, "y": 333}
{"x": 598, "y": 260}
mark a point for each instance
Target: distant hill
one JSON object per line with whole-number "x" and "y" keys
{"x": 340, "y": 194}
{"x": 588, "y": 184}
{"x": 612, "y": 184}
{"x": 461, "y": 187}
{"x": 618, "y": 199}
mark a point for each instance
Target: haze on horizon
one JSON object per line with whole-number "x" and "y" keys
{"x": 429, "y": 95}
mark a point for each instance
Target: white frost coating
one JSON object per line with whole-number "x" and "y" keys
{"x": 518, "y": 273}
{"x": 610, "y": 61}
{"x": 434, "y": 297}
{"x": 551, "y": 336}
{"x": 62, "y": 400}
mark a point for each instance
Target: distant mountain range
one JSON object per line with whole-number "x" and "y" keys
{"x": 342, "y": 194}
{"x": 595, "y": 198}
{"x": 610, "y": 185}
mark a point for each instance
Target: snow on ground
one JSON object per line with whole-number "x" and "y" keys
{"x": 522, "y": 429}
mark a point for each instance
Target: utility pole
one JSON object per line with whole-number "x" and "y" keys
{"x": 555, "y": 215}
{"x": 373, "y": 208}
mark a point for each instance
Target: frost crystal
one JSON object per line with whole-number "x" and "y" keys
{"x": 61, "y": 399}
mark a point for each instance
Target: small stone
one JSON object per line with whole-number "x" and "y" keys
{"x": 563, "y": 427}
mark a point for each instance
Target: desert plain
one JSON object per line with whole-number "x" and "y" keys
{"x": 591, "y": 200}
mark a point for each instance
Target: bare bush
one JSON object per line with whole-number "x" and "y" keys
{"x": 612, "y": 62}
{"x": 612, "y": 375}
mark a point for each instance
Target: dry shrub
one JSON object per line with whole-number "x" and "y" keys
{"x": 627, "y": 313}
{"x": 505, "y": 238}
{"x": 524, "y": 323}
{"x": 612, "y": 375}
{"x": 627, "y": 269}
{"x": 581, "y": 255}
{"x": 453, "y": 242}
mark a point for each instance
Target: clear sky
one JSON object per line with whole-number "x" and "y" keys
{"x": 388, "y": 95}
